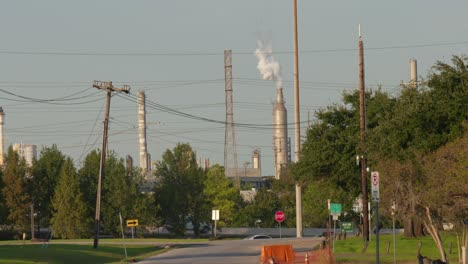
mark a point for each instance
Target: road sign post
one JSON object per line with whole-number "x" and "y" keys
{"x": 375, "y": 198}
{"x": 335, "y": 210}
{"x": 279, "y": 217}
{"x": 215, "y": 218}
{"x": 132, "y": 223}
{"x": 123, "y": 235}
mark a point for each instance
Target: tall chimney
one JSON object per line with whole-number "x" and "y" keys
{"x": 2, "y": 153}
{"x": 413, "y": 73}
{"x": 142, "y": 132}
{"x": 280, "y": 133}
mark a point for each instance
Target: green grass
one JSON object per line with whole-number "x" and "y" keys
{"x": 349, "y": 250}
{"x": 68, "y": 253}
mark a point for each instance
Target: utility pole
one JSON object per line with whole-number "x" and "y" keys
{"x": 362, "y": 126}
{"x": 297, "y": 121}
{"x": 109, "y": 88}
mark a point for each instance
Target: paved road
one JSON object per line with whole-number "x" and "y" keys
{"x": 228, "y": 251}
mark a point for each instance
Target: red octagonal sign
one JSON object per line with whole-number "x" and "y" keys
{"x": 279, "y": 216}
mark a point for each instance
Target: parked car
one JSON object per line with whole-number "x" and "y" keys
{"x": 259, "y": 237}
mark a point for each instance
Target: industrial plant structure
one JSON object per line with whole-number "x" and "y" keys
{"x": 145, "y": 158}
{"x": 280, "y": 134}
{"x": 26, "y": 151}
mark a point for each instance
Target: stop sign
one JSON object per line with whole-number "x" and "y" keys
{"x": 279, "y": 216}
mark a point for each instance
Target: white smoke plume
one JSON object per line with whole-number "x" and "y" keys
{"x": 267, "y": 65}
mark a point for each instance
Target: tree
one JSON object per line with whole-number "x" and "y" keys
{"x": 119, "y": 193}
{"x": 179, "y": 190}
{"x": 422, "y": 121}
{"x": 69, "y": 219}
{"x": 3, "y": 207}
{"x": 261, "y": 210}
{"x": 88, "y": 178}
{"x": 45, "y": 175}
{"x": 14, "y": 191}
{"x": 222, "y": 195}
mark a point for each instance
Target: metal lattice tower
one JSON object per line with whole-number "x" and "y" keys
{"x": 230, "y": 149}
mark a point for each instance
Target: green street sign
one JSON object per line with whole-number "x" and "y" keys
{"x": 335, "y": 208}
{"x": 347, "y": 226}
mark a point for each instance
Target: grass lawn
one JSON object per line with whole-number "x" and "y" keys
{"x": 349, "y": 250}
{"x": 68, "y": 253}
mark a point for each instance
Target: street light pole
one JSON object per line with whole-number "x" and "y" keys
{"x": 297, "y": 122}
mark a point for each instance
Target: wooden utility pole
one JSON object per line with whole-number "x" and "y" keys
{"x": 109, "y": 88}
{"x": 362, "y": 126}
{"x": 297, "y": 122}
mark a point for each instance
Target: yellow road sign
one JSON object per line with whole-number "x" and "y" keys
{"x": 131, "y": 223}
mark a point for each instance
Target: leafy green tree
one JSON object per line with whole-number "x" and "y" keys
{"x": 119, "y": 194}
{"x": 261, "y": 211}
{"x": 45, "y": 175}
{"x": 447, "y": 176}
{"x": 222, "y": 195}
{"x": 88, "y": 178}
{"x": 14, "y": 191}
{"x": 315, "y": 202}
{"x": 179, "y": 190}
{"x": 3, "y": 207}
{"x": 422, "y": 121}
{"x": 69, "y": 219}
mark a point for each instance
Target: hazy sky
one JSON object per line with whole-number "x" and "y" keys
{"x": 173, "y": 50}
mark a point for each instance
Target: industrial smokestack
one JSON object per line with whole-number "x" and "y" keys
{"x": 256, "y": 161}
{"x": 280, "y": 134}
{"x": 144, "y": 162}
{"x": 413, "y": 73}
{"x": 2, "y": 153}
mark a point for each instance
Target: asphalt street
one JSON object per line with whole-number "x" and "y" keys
{"x": 228, "y": 251}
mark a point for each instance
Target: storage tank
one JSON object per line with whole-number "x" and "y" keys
{"x": 26, "y": 151}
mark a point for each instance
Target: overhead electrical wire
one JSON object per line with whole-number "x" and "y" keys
{"x": 169, "y": 110}
{"x": 140, "y": 54}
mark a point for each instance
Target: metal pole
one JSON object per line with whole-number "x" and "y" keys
{"x": 297, "y": 121}
{"x": 123, "y": 235}
{"x": 334, "y": 232}
{"x": 369, "y": 221}
{"x": 377, "y": 248}
{"x": 215, "y": 229}
{"x": 394, "y": 240}
{"x": 280, "y": 228}
{"x": 32, "y": 222}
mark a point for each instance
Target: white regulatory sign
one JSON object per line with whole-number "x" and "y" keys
{"x": 215, "y": 215}
{"x": 375, "y": 186}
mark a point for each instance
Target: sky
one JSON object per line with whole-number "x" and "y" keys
{"x": 51, "y": 51}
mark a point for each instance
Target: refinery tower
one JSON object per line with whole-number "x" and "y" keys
{"x": 280, "y": 133}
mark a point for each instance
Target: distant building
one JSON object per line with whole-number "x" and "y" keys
{"x": 26, "y": 151}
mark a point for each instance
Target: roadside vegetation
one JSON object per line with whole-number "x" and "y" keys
{"x": 68, "y": 253}
{"x": 350, "y": 250}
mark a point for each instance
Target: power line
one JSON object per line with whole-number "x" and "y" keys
{"x": 142, "y": 54}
